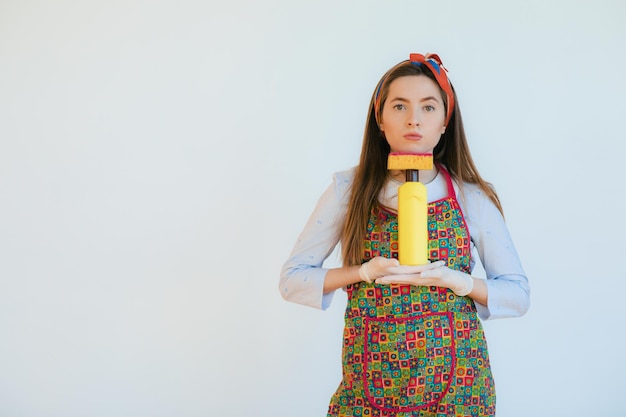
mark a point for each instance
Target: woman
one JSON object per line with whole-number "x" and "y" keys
{"x": 413, "y": 341}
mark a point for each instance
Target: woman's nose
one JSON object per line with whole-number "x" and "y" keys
{"x": 413, "y": 117}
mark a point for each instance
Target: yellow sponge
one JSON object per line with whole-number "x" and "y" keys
{"x": 397, "y": 160}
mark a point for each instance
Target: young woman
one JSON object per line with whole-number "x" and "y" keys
{"x": 413, "y": 342}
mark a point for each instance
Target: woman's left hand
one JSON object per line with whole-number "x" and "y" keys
{"x": 459, "y": 282}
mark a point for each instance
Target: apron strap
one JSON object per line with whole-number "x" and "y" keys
{"x": 448, "y": 177}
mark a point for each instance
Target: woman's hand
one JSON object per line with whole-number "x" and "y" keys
{"x": 438, "y": 275}
{"x": 382, "y": 268}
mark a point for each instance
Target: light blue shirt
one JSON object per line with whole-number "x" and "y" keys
{"x": 302, "y": 276}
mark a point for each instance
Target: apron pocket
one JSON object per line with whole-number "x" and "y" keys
{"x": 409, "y": 362}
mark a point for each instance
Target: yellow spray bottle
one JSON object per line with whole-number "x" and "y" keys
{"x": 412, "y": 208}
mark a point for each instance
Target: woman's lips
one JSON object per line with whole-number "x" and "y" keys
{"x": 413, "y": 136}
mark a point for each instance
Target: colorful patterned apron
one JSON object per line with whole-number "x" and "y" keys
{"x": 412, "y": 351}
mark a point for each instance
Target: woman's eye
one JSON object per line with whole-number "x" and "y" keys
{"x": 429, "y": 108}
{"x": 399, "y": 106}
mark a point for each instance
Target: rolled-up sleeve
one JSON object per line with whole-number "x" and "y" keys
{"x": 302, "y": 276}
{"x": 508, "y": 291}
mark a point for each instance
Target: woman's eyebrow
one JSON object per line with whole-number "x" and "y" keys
{"x": 405, "y": 100}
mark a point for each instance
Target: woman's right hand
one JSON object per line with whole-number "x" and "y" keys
{"x": 379, "y": 267}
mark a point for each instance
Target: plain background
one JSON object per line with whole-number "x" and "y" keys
{"x": 159, "y": 158}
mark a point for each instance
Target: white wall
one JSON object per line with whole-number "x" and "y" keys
{"x": 158, "y": 159}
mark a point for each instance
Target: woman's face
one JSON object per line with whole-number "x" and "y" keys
{"x": 413, "y": 115}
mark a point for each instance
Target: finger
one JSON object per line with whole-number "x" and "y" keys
{"x": 397, "y": 279}
{"x": 382, "y": 262}
{"x": 416, "y": 269}
{"x": 389, "y": 262}
{"x": 428, "y": 282}
{"x": 433, "y": 265}
{"x": 432, "y": 273}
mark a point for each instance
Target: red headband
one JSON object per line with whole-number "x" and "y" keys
{"x": 433, "y": 62}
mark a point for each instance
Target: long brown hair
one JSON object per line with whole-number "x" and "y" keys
{"x": 452, "y": 151}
